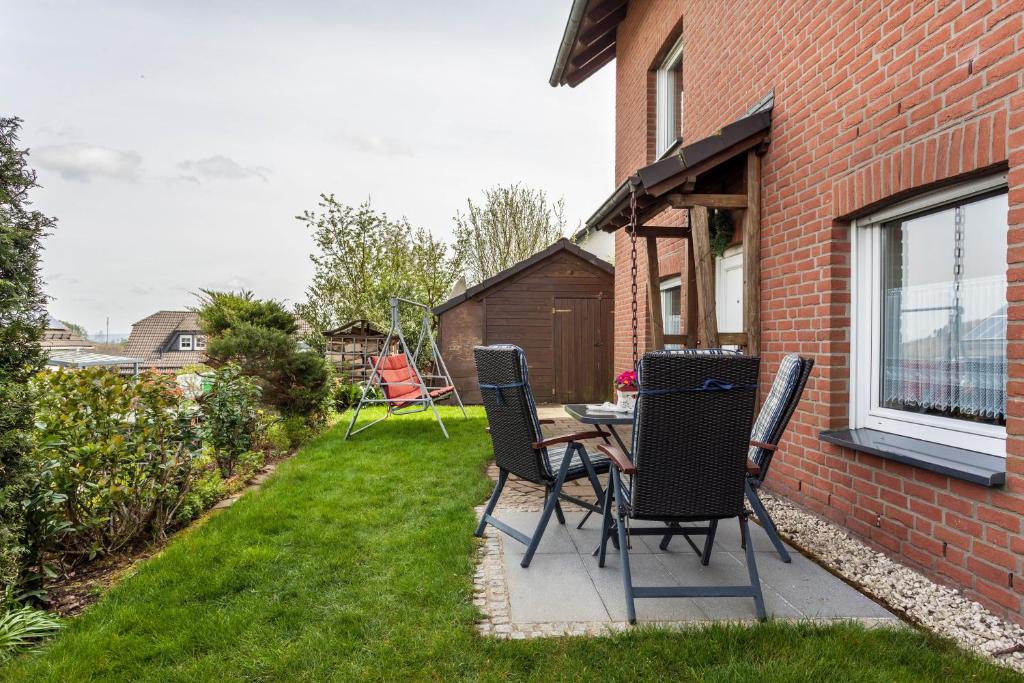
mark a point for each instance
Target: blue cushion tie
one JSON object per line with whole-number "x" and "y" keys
{"x": 499, "y": 387}
{"x": 709, "y": 385}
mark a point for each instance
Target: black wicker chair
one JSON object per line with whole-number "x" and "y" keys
{"x": 768, "y": 430}
{"x": 691, "y": 435}
{"x": 521, "y": 449}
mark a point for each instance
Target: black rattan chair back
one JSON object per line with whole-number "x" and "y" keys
{"x": 511, "y": 412}
{"x": 691, "y": 434}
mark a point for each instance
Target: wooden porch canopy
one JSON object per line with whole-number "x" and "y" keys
{"x": 722, "y": 171}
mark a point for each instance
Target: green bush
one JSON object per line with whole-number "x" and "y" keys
{"x": 119, "y": 451}
{"x": 276, "y": 438}
{"x": 206, "y": 489}
{"x": 346, "y": 396}
{"x": 297, "y": 430}
{"x": 231, "y": 417}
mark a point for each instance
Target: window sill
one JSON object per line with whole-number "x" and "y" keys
{"x": 958, "y": 463}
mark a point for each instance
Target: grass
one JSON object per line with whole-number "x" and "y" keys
{"x": 355, "y": 562}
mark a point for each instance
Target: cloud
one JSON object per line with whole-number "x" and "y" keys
{"x": 85, "y": 162}
{"x": 374, "y": 144}
{"x": 219, "y": 166}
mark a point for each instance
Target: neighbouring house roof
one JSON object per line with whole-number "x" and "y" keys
{"x": 154, "y": 340}
{"x": 83, "y": 358}
{"x": 58, "y": 336}
{"x": 588, "y": 42}
{"x": 561, "y": 245}
{"x": 654, "y": 181}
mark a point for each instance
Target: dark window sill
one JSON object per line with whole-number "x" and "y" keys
{"x": 978, "y": 468}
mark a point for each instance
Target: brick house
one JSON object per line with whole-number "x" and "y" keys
{"x": 871, "y": 157}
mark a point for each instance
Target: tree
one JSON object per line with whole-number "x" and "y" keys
{"x": 363, "y": 258}
{"x": 512, "y": 224}
{"x": 22, "y": 321}
{"x": 259, "y": 335}
{"x": 75, "y": 328}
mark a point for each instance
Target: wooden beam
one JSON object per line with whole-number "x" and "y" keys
{"x": 593, "y": 50}
{"x": 662, "y": 231}
{"x": 732, "y": 338}
{"x": 654, "y": 295}
{"x": 692, "y": 315}
{"x": 712, "y": 201}
{"x": 598, "y": 10}
{"x": 599, "y": 28}
{"x": 752, "y": 256}
{"x": 690, "y": 174}
{"x": 704, "y": 261}
{"x": 591, "y": 67}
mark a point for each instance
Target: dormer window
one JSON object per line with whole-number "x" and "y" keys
{"x": 200, "y": 342}
{"x": 185, "y": 342}
{"x": 668, "y": 86}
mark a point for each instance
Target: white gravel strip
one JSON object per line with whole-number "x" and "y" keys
{"x": 940, "y": 609}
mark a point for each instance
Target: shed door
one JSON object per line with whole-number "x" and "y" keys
{"x": 582, "y": 350}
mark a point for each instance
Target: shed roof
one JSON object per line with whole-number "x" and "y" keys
{"x": 561, "y": 245}
{"x": 361, "y": 326}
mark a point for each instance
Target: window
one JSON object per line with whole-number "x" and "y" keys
{"x": 671, "y": 308}
{"x": 185, "y": 342}
{"x": 200, "y": 342}
{"x": 929, "y": 285}
{"x": 668, "y": 85}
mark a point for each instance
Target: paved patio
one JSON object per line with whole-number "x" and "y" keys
{"x": 564, "y": 592}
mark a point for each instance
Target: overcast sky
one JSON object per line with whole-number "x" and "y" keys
{"x": 176, "y": 141}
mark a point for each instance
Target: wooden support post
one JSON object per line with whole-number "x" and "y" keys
{"x": 704, "y": 261}
{"x": 752, "y": 256}
{"x": 692, "y": 324}
{"x": 654, "y": 295}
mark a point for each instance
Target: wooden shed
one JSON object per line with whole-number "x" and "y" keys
{"x": 557, "y": 305}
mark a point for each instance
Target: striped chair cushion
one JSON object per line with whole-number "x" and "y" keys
{"x": 577, "y": 470}
{"x": 774, "y": 408}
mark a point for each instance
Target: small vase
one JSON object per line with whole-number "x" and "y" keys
{"x": 626, "y": 400}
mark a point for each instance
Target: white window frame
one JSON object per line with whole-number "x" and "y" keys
{"x": 668, "y": 101}
{"x": 200, "y": 342}
{"x": 181, "y": 342}
{"x": 865, "y": 332}
{"x": 666, "y": 285}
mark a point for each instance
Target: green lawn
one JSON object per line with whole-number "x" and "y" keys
{"x": 354, "y": 562}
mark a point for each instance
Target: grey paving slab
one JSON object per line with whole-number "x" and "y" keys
{"x": 556, "y": 587}
{"x": 816, "y": 592}
{"x": 646, "y": 570}
{"x": 564, "y": 583}
{"x": 556, "y": 537}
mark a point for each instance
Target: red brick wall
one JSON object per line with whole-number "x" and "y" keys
{"x": 873, "y": 100}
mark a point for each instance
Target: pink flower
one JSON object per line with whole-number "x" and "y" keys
{"x": 626, "y": 381}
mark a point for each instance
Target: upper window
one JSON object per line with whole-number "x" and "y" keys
{"x": 185, "y": 342}
{"x": 200, "y": 342}
{"x": 669, "y": 100}
{"x": 930, "y": 318}
{"x": 671, "y": 308}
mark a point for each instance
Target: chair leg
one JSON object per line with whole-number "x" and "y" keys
{"x": 627, "y": 579}
{"x": 558, "y": 512}
{"x": 755, "y": 581}
{"x": 549, "y": 507}
{"x": 502, "y": 478}
{"x": 606, "y": 522}
{"x": 766, "y": 521}
{"x": 709, "y": 542}
{"x": 666, "y": 539}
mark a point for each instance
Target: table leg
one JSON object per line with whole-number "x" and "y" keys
{"x": 618, "y": 439}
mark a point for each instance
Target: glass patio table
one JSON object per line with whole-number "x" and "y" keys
{"x": 603, "y": 418}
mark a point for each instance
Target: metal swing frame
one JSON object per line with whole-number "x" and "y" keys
{"x": 407, "y": 405}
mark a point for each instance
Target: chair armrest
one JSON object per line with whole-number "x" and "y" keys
{"x": 620, "y": 459}
{"x": 762, "y": 444}
{"x": 567, "y": 438}
{"x": 545, "y": 421}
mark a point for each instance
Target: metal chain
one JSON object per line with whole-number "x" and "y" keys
{"x": 632, "y": 272}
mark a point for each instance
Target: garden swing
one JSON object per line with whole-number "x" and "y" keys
{"x": 405, "y": 389}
